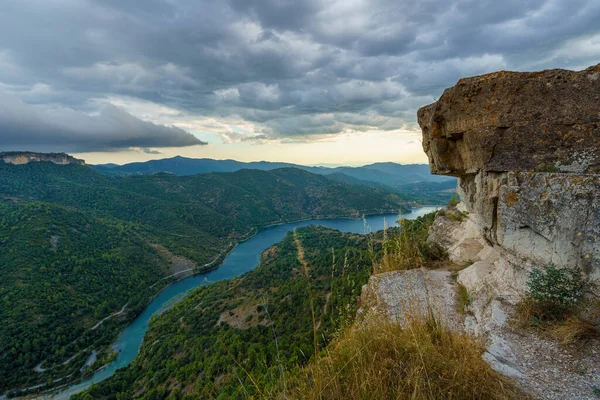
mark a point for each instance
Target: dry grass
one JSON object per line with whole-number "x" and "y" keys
{"x": 566, "y": 329}
{"x": 530, "y": 314}
{"x": 408, "y": 248}
{"x": 382, "y": 360}
{"x": 573, "y": 330}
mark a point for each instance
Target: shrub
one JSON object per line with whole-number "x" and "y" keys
{"x": 552, "y": 293}
{"x": 556, "y": 287}
{"x": 454, "y": 200}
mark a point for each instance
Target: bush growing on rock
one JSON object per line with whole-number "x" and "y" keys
{"x": 553, "y": 291}
{"x": 454, "y": 200}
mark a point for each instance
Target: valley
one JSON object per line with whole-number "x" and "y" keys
{"x": 299, "y": 200}
{"x": 91, "y": 246}
{"x": 244, "y": 257}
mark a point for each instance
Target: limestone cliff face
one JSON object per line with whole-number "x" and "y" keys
{"x": 526, "y": 149}
{"x": 25, "y": 157}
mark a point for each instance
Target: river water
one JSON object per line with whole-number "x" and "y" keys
{"x": 245, "y": 257}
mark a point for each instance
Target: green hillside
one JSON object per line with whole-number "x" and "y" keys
{"x": 63, "y": 272}
{"x": 235, "y": 339}
{"x": 76, "y": 246}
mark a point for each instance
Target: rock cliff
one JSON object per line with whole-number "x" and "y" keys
{"x": 25, "y": 157}
{"x": 526, "y": 149}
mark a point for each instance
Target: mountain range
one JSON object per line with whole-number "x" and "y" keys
{"x": 387, "y": 173}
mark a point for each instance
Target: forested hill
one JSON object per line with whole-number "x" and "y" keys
{"x": 77, "y": 246}
{"x": 241, "y": 338}
{"x": 388, "y": 173}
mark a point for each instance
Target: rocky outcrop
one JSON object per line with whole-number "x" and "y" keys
{"x": 526, "y": 149}
{"x": 507, "y": 121}
{"x": 25, "y": 157}
{"x": 399, "y": 295}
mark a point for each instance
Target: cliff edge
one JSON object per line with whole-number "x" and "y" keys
{"x": 526, "y": 149}
{"x": 25, "y": 157}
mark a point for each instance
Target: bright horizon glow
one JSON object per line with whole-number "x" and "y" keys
{"x": 349, "y": 149}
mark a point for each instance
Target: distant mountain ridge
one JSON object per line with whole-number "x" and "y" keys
{"x": 387, "y": 173}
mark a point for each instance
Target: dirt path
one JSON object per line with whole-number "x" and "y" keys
{"x": 306, "y": 271}
{"x": 110, "y": 316}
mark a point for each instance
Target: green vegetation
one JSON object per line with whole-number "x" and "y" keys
{"x": 240, "y": 338}
{"x": 553, "y": 296}
{"x": 454, "y": 200}
{"x": 553, "y": 293}
{"x": 255, "y": 336}
{"x": 195, "y": 216}
{"x": 463, "y": 299}
{"x": 62, "y": 272}
{"x": 454, "y": 214}
{"x": 77, "y": 246}
{"x": 285, "y": 330}
{"x": 420, "y": 359}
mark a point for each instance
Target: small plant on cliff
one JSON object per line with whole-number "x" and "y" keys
{"x": 553, "y": 293}
{"x": 454, "y": 200}
{"x": 464, "y": 299}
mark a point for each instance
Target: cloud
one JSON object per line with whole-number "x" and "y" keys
{"x": 257, "y": 70}
{"x": 33, "y": 127}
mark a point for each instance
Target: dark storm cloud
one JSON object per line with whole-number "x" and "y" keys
{"x": 289, "y": 67}
{"x": 32, "y": 127}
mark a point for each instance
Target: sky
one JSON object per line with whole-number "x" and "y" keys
{"x": 307, "y": 81}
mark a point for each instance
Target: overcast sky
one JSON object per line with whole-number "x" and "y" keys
{"x": 308, "y": 81}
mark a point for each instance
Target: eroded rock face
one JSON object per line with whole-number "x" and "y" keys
{"x": 506, "y": 121}
{"x": 526, "y": 149}
{"x": 24, "y": 157}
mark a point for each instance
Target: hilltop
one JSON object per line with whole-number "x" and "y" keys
{"x": 413, "y": 182}
{"x": 389, "y": 173}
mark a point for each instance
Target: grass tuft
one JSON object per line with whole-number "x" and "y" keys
{"x": 567, "y": 329}
{"x": 407, "y": 247}
{"x": 574, "y": 329}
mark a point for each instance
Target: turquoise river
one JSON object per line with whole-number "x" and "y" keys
{"x": 242, "y": 259}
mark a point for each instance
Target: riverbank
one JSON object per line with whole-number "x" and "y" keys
{"x": 237, "y": 261}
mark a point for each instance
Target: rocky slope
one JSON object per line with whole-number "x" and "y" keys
{"x": 25, "y": 157}
{"x": 526, "y": 150}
